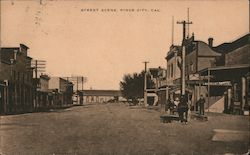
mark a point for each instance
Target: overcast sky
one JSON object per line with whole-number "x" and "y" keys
{"x": 103, "y": 46}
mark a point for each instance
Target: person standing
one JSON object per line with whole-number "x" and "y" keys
{"x": 201, "y": 104}
{"x": 176, "y": 101}
{"x": 171, "y": 106}
{"x": 189, "y": 102}
{"x": 183, "y": 109}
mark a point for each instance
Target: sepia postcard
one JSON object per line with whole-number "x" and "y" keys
{"x": 124, "y": 77}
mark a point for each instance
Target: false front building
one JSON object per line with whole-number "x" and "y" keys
{"x": 62, "y": 92}
{"x": 16, "y": 88}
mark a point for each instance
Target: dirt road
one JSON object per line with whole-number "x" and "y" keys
{"x": 117, "y": 129}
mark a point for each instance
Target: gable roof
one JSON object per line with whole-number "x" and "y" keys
{"x": 205, "y": 50}
{"x": 225, "y": 48}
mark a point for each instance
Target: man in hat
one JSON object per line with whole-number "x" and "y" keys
{"x": 201, "y": 103}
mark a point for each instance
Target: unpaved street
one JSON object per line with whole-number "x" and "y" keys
{"x": 118, "y": 129}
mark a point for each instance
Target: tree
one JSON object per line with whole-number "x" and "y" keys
{"x": 132, "y": 86}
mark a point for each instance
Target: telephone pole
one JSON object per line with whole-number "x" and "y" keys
{"x": 188, "y": 22}
{"x": 172, "y": 37}
{"x": 145, "y": 83}
{"x": 183, "y": 84}
{"x": 184, "y": 24}
{"x": 76, "y": 81}
{"x": 38, "y": 66}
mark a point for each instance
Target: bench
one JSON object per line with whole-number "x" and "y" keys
{"x": 169, "y": 118}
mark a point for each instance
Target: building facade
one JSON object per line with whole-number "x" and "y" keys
{"x": 43, "y": 96}
{"x": 62, "y": 91}
{"x": 229, "y": 78}
{"x": 157, "y": 94}
{"x": 199, "y": 55}
{"x": 101, "y": 96}
{"x": 173, "y": 71}
{"x": 220, "y": 73}
{"x": 17, "y": 90}
{"x": 173, "y": 60}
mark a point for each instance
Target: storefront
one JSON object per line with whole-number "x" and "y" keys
{"x": 230, "y": 82}
{"x": 2, "y": 97}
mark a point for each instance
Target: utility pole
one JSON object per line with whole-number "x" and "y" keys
{"x": 184, "y": 23}
{"x": 188, "y": 22}
{"x": 81, "y": 94}
{"x": 208, "y": 89}
{"x": 67, "y": 91}
{"x": 76, "y": 81}
{"x": 82, "y": 82}
{"x": 36, "y": 69}
{"x": 145, "y": 83}
{"x": 77, "y": 89}
{"x": 13, "y": 86}
{"x": 39, "y": 66}
{"x": 172, "y": 38}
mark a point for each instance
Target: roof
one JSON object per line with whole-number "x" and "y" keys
{"x": 13, "y": 48}
{"x": 8, "y": 52}
{"x": 226, "y": 67}
{"x": 102, "y": 93}
{"x": 44, "y": 76}
{"x": 60, "y": 80}
{"x": 231, "y": 46}
{"x": 206, "y": 50}
{"x": 225, "y": 73}
{"x": 172, "y": 50}
{"x": 24, "y": 46}
{"x": 203, "y": 48}
{"x": 191, "y": 45}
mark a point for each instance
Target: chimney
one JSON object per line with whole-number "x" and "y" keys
{"x": 210, "y": 42}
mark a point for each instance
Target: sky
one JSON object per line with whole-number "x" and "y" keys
{"x": 104, "y": 45}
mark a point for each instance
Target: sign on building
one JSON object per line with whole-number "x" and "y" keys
{"x": 224, "y": 83}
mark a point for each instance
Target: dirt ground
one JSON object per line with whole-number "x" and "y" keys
{"x": 119, "y": 129}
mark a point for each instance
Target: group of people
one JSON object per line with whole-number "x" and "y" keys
{"x": 183, "y": 105}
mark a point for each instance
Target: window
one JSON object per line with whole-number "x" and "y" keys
{"x": 172, "y": 70}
